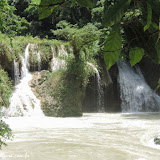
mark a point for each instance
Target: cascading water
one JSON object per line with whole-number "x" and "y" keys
{"x": 62, "y": 51}
{"x": 136, "y": 95}
{"x": 23, "y": 102}
{"x": 58, "y": 62}
{"x": 39, "y": 61}
{"x": 100, "y": 97}
{"x": 16, "y": 72}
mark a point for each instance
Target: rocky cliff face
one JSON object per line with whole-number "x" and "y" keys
{"x": 43, "y": 90}
{"x": 112, "y": 102}
{"x": 60, "y": 96}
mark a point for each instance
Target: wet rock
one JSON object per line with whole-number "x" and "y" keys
{"x": 157, "y": 140}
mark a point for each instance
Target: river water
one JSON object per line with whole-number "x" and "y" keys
{"x": 95, "y": 136}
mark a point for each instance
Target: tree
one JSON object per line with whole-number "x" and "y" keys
{"x": 82, "y": 40}
{"x": 135, "y": 32}
{"x": 12, "y": 24}
{"x": 121, "y": 17}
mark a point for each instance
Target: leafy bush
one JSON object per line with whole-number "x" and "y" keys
{"x": 5, "y": 89}
{"x": 5, "y": 133}
{"x": 12, "y": 24}
{"x": 84, "y": 41}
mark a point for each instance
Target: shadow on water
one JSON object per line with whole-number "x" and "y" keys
{"x": 142, "y": 115}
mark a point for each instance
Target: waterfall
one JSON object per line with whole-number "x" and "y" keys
{"x": 25, "y": 63}
{"x": 39, "y": 61}
{"x": 62, "y": 51}
{"x": 100, "y": 97}
{"x": 57, "y": 62}
{"x": 23, "y": 102}
{"x": 16, "y": 72}
{"x": 136, "y": 95}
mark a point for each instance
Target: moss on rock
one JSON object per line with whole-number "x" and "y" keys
{"x": 61, "y": 93}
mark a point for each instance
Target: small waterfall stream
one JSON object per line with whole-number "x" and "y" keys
{"x": 16, "y": 72}
{"x": 100, "y": 97}
{"x": 23, "y": 101}
{"x": 136, "y": 95}
{"x": 39, "y": 61}
{"x": 57, "y": 62}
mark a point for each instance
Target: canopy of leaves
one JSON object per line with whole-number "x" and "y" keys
{"x": 46, "y": 6}
{"x": 12, "y": 24}
{"x": 119, "y": 13}
{"x": 123, "y": 14}
{"x": 81, "y": 39}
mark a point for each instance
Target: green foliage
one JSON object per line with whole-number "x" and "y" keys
{"x": 114, "y": 14}
{"x": 12, "y": 24}
{"x": 5, "y": 133}
{"x": 35, "y": 2}
{"x": 136, "y": 55}
{"x": 132, "y": 17}
{"x": 86, "y": 3}
{"x": 46, "y": 7}
{"x": 5, "y": 89}
{"x": 149, "y": 16}
{"x": 112, "y": 47}
{"x": 82, "y": 40}
{"x": 2, "y": 4}
{"x": 73, "y": 84}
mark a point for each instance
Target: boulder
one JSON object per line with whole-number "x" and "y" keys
{"x": 157, "y": 140}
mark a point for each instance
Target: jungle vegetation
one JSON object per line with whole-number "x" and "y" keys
{"x": 126, "y": 29}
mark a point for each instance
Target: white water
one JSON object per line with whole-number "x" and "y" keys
{"x": 100, "y": 97}
{"x": 16, "y": 72}
{"x": 58, "y": 62}
{"x": 136, "y": 95}
{"x": 91, "y": 137}
{"x": 23, "y": 102}
{"x": 39, "y": 61}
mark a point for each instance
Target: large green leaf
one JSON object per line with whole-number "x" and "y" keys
{"x": 46, "y": 7}
{"x": 85, "y": 3}
{"x": 136, "y": 55}
{"x": 112, "y": 47}
{"x": 114, "y": 14}
{"x": 149, "y": 16}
